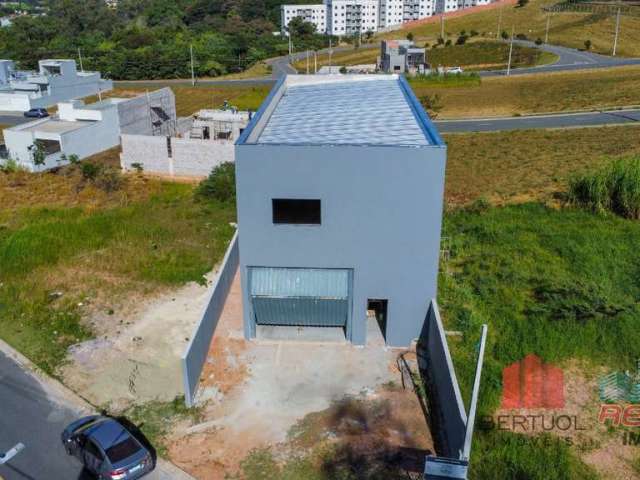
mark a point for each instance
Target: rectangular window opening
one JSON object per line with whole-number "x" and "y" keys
{"x": 296, "y": 211}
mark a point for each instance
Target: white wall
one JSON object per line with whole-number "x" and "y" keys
{"x": 190, "y": 157}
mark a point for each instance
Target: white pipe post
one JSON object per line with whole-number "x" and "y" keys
{"x": 471, "y": 418}
{"x": 307, "y": 62}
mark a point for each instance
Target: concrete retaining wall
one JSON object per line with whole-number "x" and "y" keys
{"x": 196, "y": 353}
{"x": 448, "y": 413}
{"x": 181, "y": 158}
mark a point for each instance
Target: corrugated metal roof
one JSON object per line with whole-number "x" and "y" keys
{"x": 350, "y": 112}
{"x": 299, "y": 282}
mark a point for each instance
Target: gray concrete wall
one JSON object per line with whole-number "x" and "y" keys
{"x": 447, "y": 409}
{"x": 198, "y": 348}
{"x": 136, "y": 114}
{"x": 381, "y": 217}
{"x": 150, "y": 152}
{"x": 196, "y": 158}
{"x": 189, "y": 157}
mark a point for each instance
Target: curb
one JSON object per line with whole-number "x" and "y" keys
{"x": 82, "y": 406}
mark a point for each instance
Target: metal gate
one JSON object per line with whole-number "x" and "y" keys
{"x": 300, "y": 296}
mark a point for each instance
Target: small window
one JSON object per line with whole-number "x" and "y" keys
{"x": 296, "y": 212}
{"x": 93, "y": 450}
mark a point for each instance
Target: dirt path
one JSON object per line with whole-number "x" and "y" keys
{"x": 137, "y": 358}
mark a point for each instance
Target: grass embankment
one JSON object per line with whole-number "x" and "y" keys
{"x": 483, "y": 55}
{"x": 191, "y": 99}
{"x": 528, "y": 165}
{"x": 68, "y": 247}
{"x": 525, "y": 94}
{"x": 568, "y": 29}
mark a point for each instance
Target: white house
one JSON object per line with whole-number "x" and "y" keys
{"x": 55, "y": 81}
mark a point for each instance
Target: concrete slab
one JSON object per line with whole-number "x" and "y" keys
{"x": 279, "y": 333}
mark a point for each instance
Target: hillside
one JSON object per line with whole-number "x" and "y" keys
{"x": 568, "y": 29}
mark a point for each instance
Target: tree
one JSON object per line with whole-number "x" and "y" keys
{"x": 539, "y": 41}
{"x": 299, "y": 28}
{"x": 38, "y": 153}
{"x": 462, "y": 39}
{"x": 504, "y": 35}
{"x": 410, "y": 36}
{"x": 522, "y": 3}
{"x": 587, "y": 44}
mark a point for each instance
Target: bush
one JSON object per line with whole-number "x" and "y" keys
{"x": 521, "y": 36}
{"x": 410, "y": 36}
{"x": 504, "y": 35}
{"x": 220, "y": 184}
{"x": 474, "y": 33}
{"x": 587, "y": 45}
{"x": 522, "y": 3}
{"x": 462, "y": 39}
{"x": 539, "y": 41}
{"x": 108, "y": 179}
{"x": 11, "y": 166}
{"x": 614, "y": 188}
{"x": 447, "y": 43}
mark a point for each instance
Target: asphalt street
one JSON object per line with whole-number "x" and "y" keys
{"x": 569, "y": 59}
{"x": 31, "y": 416}
{"x": 587, "y": 119}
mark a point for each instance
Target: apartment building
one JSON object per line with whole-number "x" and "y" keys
{"x": 348, "y": 17}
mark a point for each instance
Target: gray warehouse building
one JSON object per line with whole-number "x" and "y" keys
{"x": 340, "y": 182}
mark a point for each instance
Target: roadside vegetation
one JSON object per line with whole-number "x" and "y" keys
{"x": 85, "y": 238}
{"x": 540, "y": 93}
{"x": 569, "y": 29}
{"x": 529, "y": 165}
{"x": 477, "y": 55}
{"x": 459, "y": 96}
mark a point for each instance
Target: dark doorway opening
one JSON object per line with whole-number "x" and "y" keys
{"x": 379, "y": 308}
{"x": 206, "y": 134}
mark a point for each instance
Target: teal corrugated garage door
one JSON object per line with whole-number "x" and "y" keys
{"x": 300, "y": 296}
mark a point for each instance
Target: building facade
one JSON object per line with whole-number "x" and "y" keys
{"x": 348, "y": 17}
{"x": 55, "y": 81}
{"x": 402, "y": 56}
{"x": 340, "y": 182}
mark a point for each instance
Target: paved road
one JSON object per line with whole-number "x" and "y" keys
{"x": 12, "y": 118}
{"x": 34, "y": 414}
{"x": 569, "y": 59}
{"x": 539, "y": 121}
{"x": 31, "y": 416}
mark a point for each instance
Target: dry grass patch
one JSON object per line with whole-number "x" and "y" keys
{"x": 527, "y": 165}
{"x": 568, "y": 29}
{"x": 191, "y": 99}
{"x": 524, "y": 94}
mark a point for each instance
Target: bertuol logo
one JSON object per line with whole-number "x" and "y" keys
{"x": 530, "y": 383}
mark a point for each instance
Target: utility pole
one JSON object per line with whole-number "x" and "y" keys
{"x": 442, "y": 26}
{"x": 80, "y": 57}
{"x": 330, "y": 54}
{"x": 307, "y": 62}
{"x": 546, "y": 35}
{"x": 615, "y": 40}
{"x": 193, "y": 73}
{"x": 513, "y": 31}
{"x": 315, "y": 61}
{"x": 499, "y": 23}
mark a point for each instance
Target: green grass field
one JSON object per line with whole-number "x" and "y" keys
{"x": 94, "y": 253}
{"x": 480, "y": 55}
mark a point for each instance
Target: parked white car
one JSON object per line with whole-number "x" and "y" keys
{"x": 454, "y": 70}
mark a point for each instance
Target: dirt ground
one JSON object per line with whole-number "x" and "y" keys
{"x": 598, "y": 446}
{"x": 136, "y": 357}
{"x": 292, "y": 395}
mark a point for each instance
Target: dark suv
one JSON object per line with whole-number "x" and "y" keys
{"x": 107, "y": 449}
{"x": 36, "y": 113}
